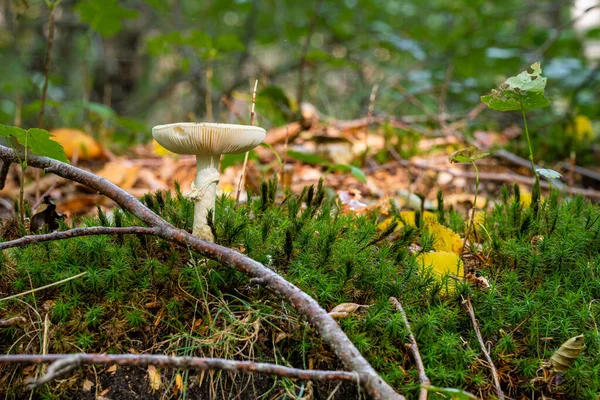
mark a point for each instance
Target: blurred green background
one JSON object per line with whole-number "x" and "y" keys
{"x": 120, "y": 67}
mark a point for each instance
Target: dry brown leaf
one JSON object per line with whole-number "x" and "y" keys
{"x": 112, "y": 369}
{"x": 121, "y": 172}
{"x": 345, "y": 309}
{"x": 87, "y": 385}
{"x": 280, "y": 336}
{"x": 154, "y": 378}
{"x": 178, "y": 385}
{"x": 78, "y": 204}
{"x": 78, "y": 142}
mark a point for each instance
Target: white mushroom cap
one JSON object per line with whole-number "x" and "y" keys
{"x": 204, "y": 138}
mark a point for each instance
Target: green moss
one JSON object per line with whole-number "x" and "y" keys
{"x": 143, "y": 293}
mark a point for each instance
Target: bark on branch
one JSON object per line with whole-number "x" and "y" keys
{"x": 64, "y": 363}
{"x": 326, "y": 326}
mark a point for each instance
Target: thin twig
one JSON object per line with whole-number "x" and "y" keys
{"x": 47, "y": 66}
{"x": 243, "y": 176}
{"x": 469, "y": 308}
{"x": 76, "y": 232}
{"x": 64, "y": 363}
{"x": 328, "y": 329}
{"x": 416, "y": 102}
{"x": 414, "y": 349}
{"x": 43, "y": 287}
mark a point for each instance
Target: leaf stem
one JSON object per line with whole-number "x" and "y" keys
{"x": 472, "y": 219}
{"x": 536, "y": 188}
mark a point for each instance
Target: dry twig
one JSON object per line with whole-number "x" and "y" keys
{"x": 241, "y": 182}
{"x": 414, "y": 349}
{"x": 471, "y": 312}
{"x": 12, "y": 321}
{"x": 64, "y": 363}
{"x": 327, "y": 327}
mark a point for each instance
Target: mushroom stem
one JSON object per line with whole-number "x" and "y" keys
{"x": 203, "y": 193}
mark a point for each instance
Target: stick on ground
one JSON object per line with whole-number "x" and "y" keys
{"x": 64, "y": 363}
{"x": 414, "y": 349}
{"x": 471, "y": 312}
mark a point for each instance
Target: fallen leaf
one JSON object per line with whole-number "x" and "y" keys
{"x": 280, "y": 336}
{"x": 112, "y": 369}
{"x": 178, "y": 385}
{"x": 76, "y": 142}
{"x": 154, "y": 378}
{"x": 121, "y": 172}
{"x": 442, "y": 263}
{"x": 445, "y": 239}
{"x": 87, "y": 385}
{"x": 345, "y": 309}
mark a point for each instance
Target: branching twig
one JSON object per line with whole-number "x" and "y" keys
{"x": 95, "y": 230}
{"x": 469, "y": 308}
{"x": 327, "y": 327}
{"x": 414, "y": 349}
{"x": 63, "y": 363}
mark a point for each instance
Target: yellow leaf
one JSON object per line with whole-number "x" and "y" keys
{"x": 159, "y": 150}
{"x": 581, "y": 128}
{"x": 409, "y": 218}
{"x": 445, "y": 239}
{"x": 443, "y": 263}
{"x": 178, "y": 385}
{"x": 154, "y": 378}
{"x": 76, "y": 141}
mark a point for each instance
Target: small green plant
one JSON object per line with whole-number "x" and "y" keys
{"x": 469, "y": 155}
{"x": 523, "y": 92}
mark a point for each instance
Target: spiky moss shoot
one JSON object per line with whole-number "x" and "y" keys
{"x": 142, "y": 294}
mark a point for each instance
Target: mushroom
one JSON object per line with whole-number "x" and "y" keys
{"x": 207, "y": 141}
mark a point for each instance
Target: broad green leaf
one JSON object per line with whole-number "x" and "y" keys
{"x": 355, "y": 171}
{"x": 101, "y": 110}
{"x": 307, "y": 158}
{"x": 12, "y": 131}
{"x": 358, "y": 174}
{"x": 40, "y": 142}
{"x": 229, "y": 42}
{"x": 104, "y": 16}
{"x": 548, "y": 173}
{"x": 232, "y": 159}
{"x": 525, "y": 90}
{"x": 467, "y": 155}
{"x": 455, "y": 394}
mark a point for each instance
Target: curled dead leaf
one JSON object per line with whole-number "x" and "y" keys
{"x": 567, "y": 353}
{"x": 345, "y": 309}
{"x": 154, "y": 378}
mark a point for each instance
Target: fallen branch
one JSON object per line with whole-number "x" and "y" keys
{"x": 414, "y": 349}
{"x": 71, "y": 233}
{"x": 64, "y": 363}
{"x": 327, "y": 327}
{"x": 469, "y": 308}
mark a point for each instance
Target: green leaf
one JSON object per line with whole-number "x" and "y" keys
{"x": 233, "y": 159}
{"x": 12, "y": 131}
{"x": 455, "y": 394}
{"x": 104, "y": 16}
{"x": 308, "y": 158}
{"x": 548, "y": 173}
{"x": 525, "y": 90}
{"x": 358, "y": 174}
{"x": 38, "y": 140}
{"x": 467, "y": 155}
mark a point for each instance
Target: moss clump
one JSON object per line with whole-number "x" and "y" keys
{"x": 142, "y": 294}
